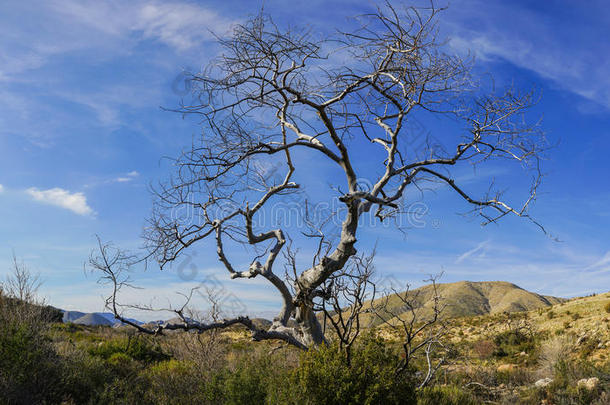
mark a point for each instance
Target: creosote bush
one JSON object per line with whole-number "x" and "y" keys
{"x": 324, "y": 377}
{"x": 513, "y": 341}
{"x": 137, "y": 348}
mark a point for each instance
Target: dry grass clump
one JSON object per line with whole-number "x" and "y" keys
{"x": 552, "y": 351}
{"x": 204, "y": 351}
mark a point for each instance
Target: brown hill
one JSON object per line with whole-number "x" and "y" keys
{"x": 464, "y": 298}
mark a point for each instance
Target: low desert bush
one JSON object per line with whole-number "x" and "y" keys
{"x": 175, "y": 382}
{"x": 30, "y": 370}
{"x": 250, "y": 382}
{"x": 517, "y": 377}
{"x": 513, "y": 341}
{"x": 445, "y": 395}
{"x": 565, "y": 390}
{"x": 87, "y": 378}
{"x": 136, "y": 347}
{"x": 588, "y": 347}
{"x": 204, "y": 351}
{"x": 484, "y": 348}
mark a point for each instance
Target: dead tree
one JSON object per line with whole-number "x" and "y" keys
{"x": 19, "y": 300}
{"x": 114, "y": 264}
{"x": 419, "y": 323}
{"x": 277, "y": 97}
{"x": 21, "y": 283}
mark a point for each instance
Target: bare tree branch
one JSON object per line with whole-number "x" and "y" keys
{"x": 420, "y": 330}
{"x": 277, "y": 94}
{"x": 21, "y": 283}
{"x": 344, "y": 295}
{"x": 113, "y": 263}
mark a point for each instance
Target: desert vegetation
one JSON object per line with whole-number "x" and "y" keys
{"x": 501, "y": 358}
{"x": 273, "y": 100}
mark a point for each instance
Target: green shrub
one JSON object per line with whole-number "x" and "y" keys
{"x": 513, "y": 341}
{"x": 246, "y": 385}
{"x": 607, "y": 307}
{"x": 174, "y": 382}
{"x": 85, "y": 378}
{"x": 138, "y": 348}
{"x": 324, "y": 377}
{"x": 519, "y": 376}
{"x": 254, "y": 377}
{"x": 30, "y": 371}
{"x": 122, "y": 392}
{"x": 69, "y": 328}
{"x": 588, "y": 347}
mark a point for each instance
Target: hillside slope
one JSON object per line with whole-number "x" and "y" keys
{"x": 93, "y": 319}
{"x": 464, "y": 298}
{"x": 584, "y": 321}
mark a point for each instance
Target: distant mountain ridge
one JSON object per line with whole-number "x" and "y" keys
{"x": 468, "y": 298}
{"x": 93, "y": 318}
{"x": 463, "y": 298}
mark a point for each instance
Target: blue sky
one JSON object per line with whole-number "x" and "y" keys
{"x": 82, "y": 137}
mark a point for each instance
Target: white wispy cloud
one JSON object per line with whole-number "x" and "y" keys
{"x": 552, "y": 269}
{"x": 128, "y": 177}
{"x": 479, "y": 248}
{"x": 602, "y": 264}
{"x": 98, "y": 32}
{"x": 533, "y": 42}
{"x": 177, "y": 24}
{"x": 109, "y": 26}
{"x": 75, "y": 202}
{"x": 1, "y": 188}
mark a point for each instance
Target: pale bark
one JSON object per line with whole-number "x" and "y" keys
{"x": 271, "y": 93}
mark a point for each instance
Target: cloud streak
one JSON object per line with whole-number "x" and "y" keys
{"x": 179, "y": 25}
{"x": 75, "y": 202}
{"x": 602, "y": 264}
{"x": 479, "y": 248}
{"x": 128, "y": 177}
